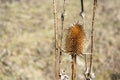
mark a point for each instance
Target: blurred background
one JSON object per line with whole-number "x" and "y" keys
{"x": 27, "y": 39}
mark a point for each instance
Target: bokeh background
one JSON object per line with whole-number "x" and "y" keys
{"x": 27, "y": 39}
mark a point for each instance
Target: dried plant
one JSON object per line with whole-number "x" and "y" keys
{"x": 74, "y": 44}
{"x": 82, "y": 14}
{"x": 92, "y": 36}
{"x": 89, "y": 75}
{"x": 62, "y": 28}
{"x": 57, "y": 51}
{"x": 75, "y": 39}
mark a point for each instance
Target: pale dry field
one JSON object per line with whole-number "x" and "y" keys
{"x": 27, "y": 38}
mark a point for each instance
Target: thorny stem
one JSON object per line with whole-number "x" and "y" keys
{"x": 57, "y": 53}
{"x": 62, "y": 26}
{"x": 92, "y": 37}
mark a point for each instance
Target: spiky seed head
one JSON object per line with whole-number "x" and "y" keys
{"x": 75, "y": 39}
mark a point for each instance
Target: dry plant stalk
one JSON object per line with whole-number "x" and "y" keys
{"x": 62, "y": 28}
{"x": 92, "y": 37}
{"x": 57, "y": 52}
{"x": 73, "y": 66}
{"x": 82, "y": 14}
{"x": 74, "y": 44}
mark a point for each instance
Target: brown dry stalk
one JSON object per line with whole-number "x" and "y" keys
{"x": 92, "y": 37}
{"x": 73, "y": 66}
{"x": 57, "y": 53}
{"x": 62, "y": 28}
{"x": 82, "y": 14}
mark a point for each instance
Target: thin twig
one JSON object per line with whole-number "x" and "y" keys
{"x": 82, "y": 10}
{"x": 82, "y": 14}
{"x": 85, "y": 62}
{"x": 92, "y": 37}
{"x": 62, "y": 28}
{"x": 57, "y": 53}
{"x": 82, "y": 6}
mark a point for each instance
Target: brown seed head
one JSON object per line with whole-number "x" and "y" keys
{"x": 75, "y": 39}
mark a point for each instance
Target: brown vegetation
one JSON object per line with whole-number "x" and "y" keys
{"x": 75, "y": 39}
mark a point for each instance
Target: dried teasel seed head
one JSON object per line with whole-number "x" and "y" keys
{"x": 75, "y": 39}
